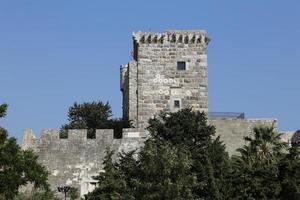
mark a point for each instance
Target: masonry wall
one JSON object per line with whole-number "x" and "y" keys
{"x": 233, "y": 131}
{"x": 129, "y": 91}
{"x": 159, "y": 81}
{"x": 76, "y": 159}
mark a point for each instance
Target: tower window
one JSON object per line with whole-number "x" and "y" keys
{"x": 176, "y": 104}
{"x": 181, "y": 65}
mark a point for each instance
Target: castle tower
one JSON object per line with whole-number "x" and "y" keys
{"x": 168, "y": 72}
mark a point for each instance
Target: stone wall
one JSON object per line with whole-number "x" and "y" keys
{"x": 129, "y": 91}
{"x": 76, "y": 159}
{"x": 233, "y": 131}
{"x": 286, "y": 136}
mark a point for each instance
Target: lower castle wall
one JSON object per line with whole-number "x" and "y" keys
{"x": 76, "y": 159}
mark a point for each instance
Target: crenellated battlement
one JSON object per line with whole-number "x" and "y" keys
{"x": 76, "y": 159}
{"x": 49, "y": 136}
{"x": 172, "y": 36}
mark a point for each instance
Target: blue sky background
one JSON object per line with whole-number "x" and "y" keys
{"x": 53, "y": 53}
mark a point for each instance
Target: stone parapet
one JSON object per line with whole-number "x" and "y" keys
{"x": 172, "y": 36}
{"x": 75, "y": 160}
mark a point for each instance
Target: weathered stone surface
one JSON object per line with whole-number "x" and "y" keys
{"x": 232, "y": 131}
{"x": 153, "y": 80}
{"x": 76, "y": 159}
{"x": 286, "y": 136}
{"x": 28, "y": 139}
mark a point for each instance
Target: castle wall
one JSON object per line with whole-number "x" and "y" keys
{"x": 76, "y": 159}
{"x": 233, "y": 131}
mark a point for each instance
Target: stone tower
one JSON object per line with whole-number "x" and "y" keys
{"x": 168, "y": 72}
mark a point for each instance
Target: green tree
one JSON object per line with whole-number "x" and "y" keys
{"x": 91, "y": 116}
{"x": 210, "y": 161}
{"x": 289, "y": 174}
{"x": 255, "y": 170}
{"x": 73, "y": 193}
{"x": 111, "y": 183}
{"x": 17, "y": 167}
{"x": 37, "y": 194}
{"x": 180, "y": 160}
{"x": 165, "y": 172}
{"x": 117, "y": 125}
{"x": 3, "y": 108}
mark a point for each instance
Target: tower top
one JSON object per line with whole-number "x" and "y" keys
{"x": 172, "y": 36}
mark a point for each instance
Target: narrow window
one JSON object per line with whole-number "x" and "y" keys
{"x": 181, "y": 66}
{"x": 176, "y": 104}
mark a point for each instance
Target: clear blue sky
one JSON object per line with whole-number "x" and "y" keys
{"x": 53, "y": 53}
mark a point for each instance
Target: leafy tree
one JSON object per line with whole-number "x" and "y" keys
{"x": 128, "y": 165}
{"x": 37, "y": 194}
{"x": 111, "y": 183}
{"x": 3, "y": 108}
{"x": 161, "y": 171}
{"x": 17, "y": 167}
{"x": 255, "y": 170}
{"x": 289, "y": 174}
{"x": 91, "y": 116}
{"x": 73, "y": 193}
{"x": 165, "y": 172}
{"x": 191, "y": 131}
{"x": 221, "y": 168}
{"x": 117, "y": 125}
{"x": 180, "y": 160}
{"x": 183, "y": 160}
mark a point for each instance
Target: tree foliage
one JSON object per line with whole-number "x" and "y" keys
{"x": 265, "y": 168}
{"x": 17, "y": 167}
{"x": 164, "y": 172}
{"x": 3, "y": 108}
{"x": 112, "y": 184}
{"x": 73, "y": 193}
{"x": 182, "y": 159}
{"x": 37, "y": 194}
{"x": 91, "y": 116}
{"x": 289, "y": 174}
{"x": 178, "y": 161}
{"x": 190, "y": 131}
